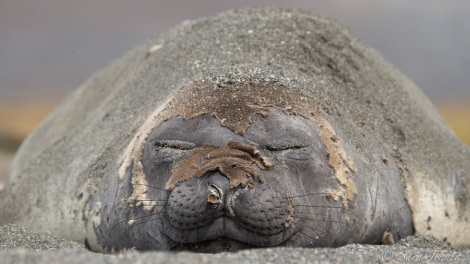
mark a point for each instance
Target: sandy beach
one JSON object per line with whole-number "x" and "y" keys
{"x": 20, "y": 245}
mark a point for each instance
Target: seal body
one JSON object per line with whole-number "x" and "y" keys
{"x": 252, "y": 128}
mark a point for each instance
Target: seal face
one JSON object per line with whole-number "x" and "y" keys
{"x": 224, "y": 180}
{"x": 256, "y": 211}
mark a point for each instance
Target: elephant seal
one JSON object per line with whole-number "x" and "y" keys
{"x": 252, "y": 128}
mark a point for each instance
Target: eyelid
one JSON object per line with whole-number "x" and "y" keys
{"x": 174, "y": 144}
{"x": 283, "y": 146}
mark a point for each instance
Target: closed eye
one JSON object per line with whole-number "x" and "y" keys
{"x": 174, "y": 144}
{"x": 283, "y": 146}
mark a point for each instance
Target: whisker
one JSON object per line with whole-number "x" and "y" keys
{"x": 145, "y": 216}
{"x": 317, "y": 220}
{"x": 307, "y": 194}
{"x": 268, "y": 237}
{"x": 319, "y": 206}
{"x": 304, "y": 214}
{"x": 313, "y": 194}
{"x": 297, "y": 212}
{"x": 151, "y": 200}
{"x": 153, "y": 187}
{"x": 141, "y": 217}
{"x": 312, "y": 238}
{"x": 318, "y": 233}
{"x": 153, "y": 237}
{"x": 142, "y": 222}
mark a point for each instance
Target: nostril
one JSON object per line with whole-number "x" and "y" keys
{"x": 215, "y": 194}
{"x": 213, "y": 198}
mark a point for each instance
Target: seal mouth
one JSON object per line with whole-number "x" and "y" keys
{"x": 209, "y": 246}
{"x": 224, "y": 234}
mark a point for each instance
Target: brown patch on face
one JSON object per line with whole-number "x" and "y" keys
{"x": 337, "y": 160}
{"x": 235, "y": 162}
{"x": 233, "y": 105}
{"x": 290, "y": 213}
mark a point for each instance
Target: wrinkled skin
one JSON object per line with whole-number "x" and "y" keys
{"x": 291, "y": 207}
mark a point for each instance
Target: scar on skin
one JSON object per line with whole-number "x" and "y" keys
{"x": 235, "y": 162}
{"x": 234, "y": 105}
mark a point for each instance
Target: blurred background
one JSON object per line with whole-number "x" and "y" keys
{"x": 49, "y": 47}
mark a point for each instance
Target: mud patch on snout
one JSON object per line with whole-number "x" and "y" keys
{"x": 236, "y": 162}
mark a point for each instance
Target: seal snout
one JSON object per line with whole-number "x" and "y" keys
{"x": 198, "y": 202}
{"x": 220, "y": 192}
{"x": 217, "y": 187}
{"x": 209, "y": 201}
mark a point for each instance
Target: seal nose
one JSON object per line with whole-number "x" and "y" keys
{"x": 217, "y": 186}
{"x": 215, "y": 195}
{"x": 199, "y": 201}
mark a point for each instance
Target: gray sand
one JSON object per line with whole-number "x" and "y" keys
{"x": 19, "y": 245}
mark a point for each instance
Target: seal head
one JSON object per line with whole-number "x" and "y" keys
{"x": 253, "y": 165}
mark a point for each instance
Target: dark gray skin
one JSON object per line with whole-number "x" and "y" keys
{"x": 251, "y": 217}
